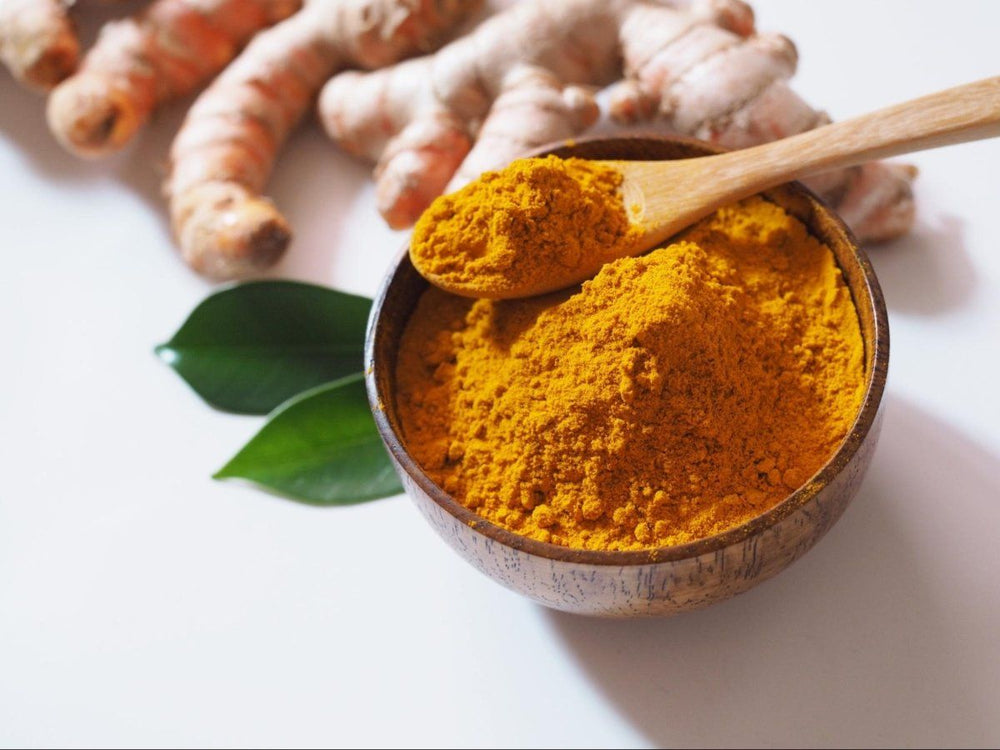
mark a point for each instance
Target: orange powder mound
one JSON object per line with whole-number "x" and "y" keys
{"x": 512, "y": 227}
{"x": 670, "y": 398}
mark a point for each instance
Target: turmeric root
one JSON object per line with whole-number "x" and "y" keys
{"x": 520, "y": 80}
{"x": 137, "y": 63}
{"x": 711, "y": 98}
{"x": 37, "y": 41}
{"x": 222, "y": 156}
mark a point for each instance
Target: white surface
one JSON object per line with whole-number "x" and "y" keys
{"x": 141, "y": 602}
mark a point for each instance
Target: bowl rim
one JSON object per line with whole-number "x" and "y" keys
{"x": 846, "y": 451}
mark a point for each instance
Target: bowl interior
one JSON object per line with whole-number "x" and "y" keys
{"x": 403, "y": 287}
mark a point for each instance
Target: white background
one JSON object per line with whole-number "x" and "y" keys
{"x": 141, "y": 602}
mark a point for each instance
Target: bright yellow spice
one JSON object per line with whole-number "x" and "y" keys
{"x": 670, "y": 398}
{"x": 511, "y": 228}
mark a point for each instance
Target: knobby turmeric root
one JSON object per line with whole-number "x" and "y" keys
{"x": 223, "y": 154}
{"x": 137, "y": 63}
{"x": 523, "y": 78}
{"x": 37, "y": 41}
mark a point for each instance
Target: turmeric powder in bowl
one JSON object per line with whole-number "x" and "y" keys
{"x": 670, "y": 398}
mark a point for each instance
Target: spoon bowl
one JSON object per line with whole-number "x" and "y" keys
{"x": 662, "y": 580}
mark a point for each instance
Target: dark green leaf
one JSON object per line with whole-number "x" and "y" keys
{"x": 320, "y": 447}
{"x": 251, "y": 347}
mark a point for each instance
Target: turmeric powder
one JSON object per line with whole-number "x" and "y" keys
{"x": 670, "y": 398}
{"x": 509, "y": 229}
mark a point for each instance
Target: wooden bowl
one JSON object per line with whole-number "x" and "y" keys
{"x": 664, "y": 580}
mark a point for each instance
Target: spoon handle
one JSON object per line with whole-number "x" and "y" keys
{"x": 964, "y": 113}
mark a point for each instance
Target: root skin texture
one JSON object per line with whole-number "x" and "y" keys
{"x": 137, "y": 63}
{"x": 37, "y": 42}
{"x": 223, "y": 154}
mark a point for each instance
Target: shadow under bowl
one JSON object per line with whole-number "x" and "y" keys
{"x": 662, "y": 580}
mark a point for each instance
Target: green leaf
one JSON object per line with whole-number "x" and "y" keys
{"x": 250, "y": 347}
{"x": 321, "y": 447}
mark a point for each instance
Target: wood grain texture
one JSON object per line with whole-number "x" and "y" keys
{"x": 668, "y": 198}
{"x": 666, "y": 580}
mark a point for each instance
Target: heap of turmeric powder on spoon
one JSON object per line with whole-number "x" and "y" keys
{"x": 539, "y": 220}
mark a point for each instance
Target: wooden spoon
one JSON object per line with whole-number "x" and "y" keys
{"x": 664, "y": 197}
